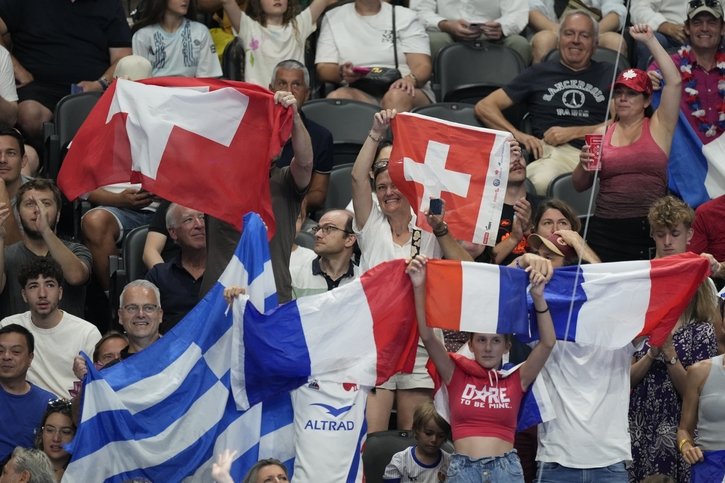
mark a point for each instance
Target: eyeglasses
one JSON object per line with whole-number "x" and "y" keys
{"x": 65, "y": 431}
{"x": 134, "y": 309}
{"x": 327, "y": 229}
{"x": 707, "y": 3}
{"x": 59, "y": 404}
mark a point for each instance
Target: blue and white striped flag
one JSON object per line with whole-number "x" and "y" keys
{"x": 167, "y": 411}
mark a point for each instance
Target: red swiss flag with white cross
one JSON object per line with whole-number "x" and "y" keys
{"x": 465, "y": 166}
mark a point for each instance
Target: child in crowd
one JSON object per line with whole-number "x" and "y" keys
{"x": 174, "y": 43}
{"x": 425, "y": 462}
{"x": 272, "y": 30}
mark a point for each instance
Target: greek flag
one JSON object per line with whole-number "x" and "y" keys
{"x": 165, "y": 413}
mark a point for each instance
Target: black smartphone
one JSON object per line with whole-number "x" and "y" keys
{"x": 436, "y": 206}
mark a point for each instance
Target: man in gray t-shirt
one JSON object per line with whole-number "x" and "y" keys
{"x": 38, "y": 209}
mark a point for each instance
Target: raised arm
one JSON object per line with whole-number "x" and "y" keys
{"x": 547, "y": 337}
{"x": 362, "y": 201}
{"x": 665, "y": 117}
{"x": 451, "y": 249}
{"x": 436, "y": 350}
{"x": 233, "y": 12}
{"x": 301, "y": 165}
{"x": 319, "y": 6}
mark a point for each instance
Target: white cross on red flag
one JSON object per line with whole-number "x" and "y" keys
{"x": 465, "y": 166}
{"x": 204, "y": 143}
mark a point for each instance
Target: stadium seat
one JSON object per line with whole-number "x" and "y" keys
{"x": 562, "y": 188}
{"x": 380, "y": 448}
{"x": 450, "y": 111}
{"x": 339, "y": 190}
{"x": 233, "y": 60}
{"x": 129, "y": 266}
{"x": 468, "y": 72}
{"x": 348, "y": 121}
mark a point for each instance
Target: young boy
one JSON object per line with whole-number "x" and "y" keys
{"x": 425, "y": 462}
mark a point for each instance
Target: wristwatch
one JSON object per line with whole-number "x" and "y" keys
{"x": 672, "y": 361}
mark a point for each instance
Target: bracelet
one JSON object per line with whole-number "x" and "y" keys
{"x": 682, "y": 443}
{"x": 104, "y": 83}
{"x": 415, "y": 79}
{"x": 439, "y": 232}
{"x": 541, "y": 311}
{"x": 376, "y": 139}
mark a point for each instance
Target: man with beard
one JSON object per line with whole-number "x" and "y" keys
{"x": 38, "y": 209}
{"x": 59, "y": 336}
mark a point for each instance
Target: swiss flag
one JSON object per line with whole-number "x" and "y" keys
{"x": 205, "y": 143}
{"x": 465, "y": 166}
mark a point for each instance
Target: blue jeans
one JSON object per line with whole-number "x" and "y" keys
{"x": 494, "y": 469}
{"x": 555, "y": 473}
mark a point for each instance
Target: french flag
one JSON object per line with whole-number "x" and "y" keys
{"x": 695, "y": 170}
{"x": 604, "y": 304}
{"x": 363, "y": 333}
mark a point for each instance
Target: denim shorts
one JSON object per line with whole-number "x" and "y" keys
{"x": 491, "y": 469}
{"x": 555, "y": 473}
{"x": 126, "y": 218}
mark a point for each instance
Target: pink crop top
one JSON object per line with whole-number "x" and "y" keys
{"x": 482, "y": 403}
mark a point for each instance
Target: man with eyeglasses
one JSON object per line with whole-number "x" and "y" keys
{"x": 140, "y": 315}
{"x": 290, "y": 75}
{"x": 22, "y": 403}
{"x": 59, "y": 336}
{"x": 334, "y": 245}
{"x": 703, "y": 102}
{"x": 179, "y": 279}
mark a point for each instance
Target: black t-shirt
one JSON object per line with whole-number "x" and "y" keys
{"x": 64, "y": 42}
{"x": 504, "y": 231}
{"x": 558, "y": 96}
{"x": 322, "y": 149}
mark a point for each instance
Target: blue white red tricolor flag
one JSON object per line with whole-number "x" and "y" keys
{"x": 165, "y": 412}
{"x": 187, "y": 140}
{"x": 696, "y": 171}
{"x": 604, "y": 304}
{"x": 466, "y": 166}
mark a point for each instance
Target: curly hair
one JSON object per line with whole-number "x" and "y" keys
{"x": 668, "y": 212}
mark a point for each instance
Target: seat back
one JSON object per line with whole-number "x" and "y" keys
{"x": 380, "y": 448}
{"x": 468, "y": 72}
{"x": 450, "y": 111}
{"x": 233, "y": 60}
{"x": 562, "y": 188}
{"x": 132, "y": 252}
{"x": 70, "y": 113}
{"x": 339, "y": 189}
{"x": 348, "y": 121}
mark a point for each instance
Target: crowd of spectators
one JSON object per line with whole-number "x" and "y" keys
{"x": 642, "y": 409}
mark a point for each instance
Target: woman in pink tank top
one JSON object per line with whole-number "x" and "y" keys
{"x": 484, "y": 401}
{"x": 633, "y": 168}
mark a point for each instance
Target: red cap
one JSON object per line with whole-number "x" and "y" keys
{"x": 635, "y": 79}
{"x": 555, "y": 243}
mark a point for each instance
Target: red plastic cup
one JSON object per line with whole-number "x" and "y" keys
{"x": 594, "y": 141}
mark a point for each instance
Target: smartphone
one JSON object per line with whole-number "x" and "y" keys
{"x": 361, "y": 70}
{"x": 436, "y": 206}
{"x": 475, "y": 26}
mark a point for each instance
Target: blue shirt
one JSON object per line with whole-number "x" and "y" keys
{"x": 21, "y": 416}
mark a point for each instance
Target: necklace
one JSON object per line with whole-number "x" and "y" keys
{"x": 692, "y": 95}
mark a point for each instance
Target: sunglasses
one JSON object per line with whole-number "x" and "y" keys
{"x": 707, "y": 3}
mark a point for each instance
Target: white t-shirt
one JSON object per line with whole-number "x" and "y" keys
{"x": 187, "y": 52}
{"x": 265, "y": 47}
{"x": 589, "y": 389}
{"x": 7, "y": 77}
{"x": 52, "y": 366}
{"x": 377, "y": 244}
{"x": 329, "y": 432}
{"x": 404, "y": 467}
{"x": 346, "y": 36}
